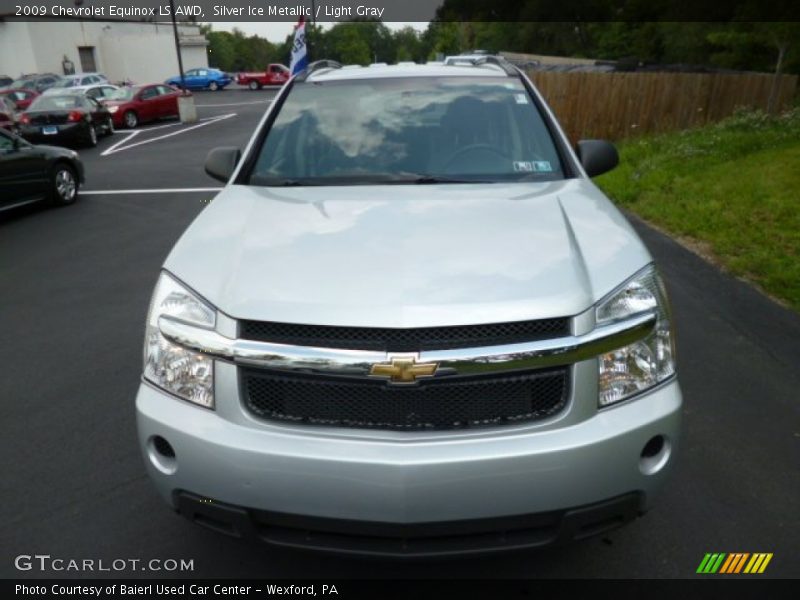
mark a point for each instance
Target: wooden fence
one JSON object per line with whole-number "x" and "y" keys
{"x": 619, "y": 105}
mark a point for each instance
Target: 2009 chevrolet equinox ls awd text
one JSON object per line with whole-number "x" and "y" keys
{"x": 409, "y": 325}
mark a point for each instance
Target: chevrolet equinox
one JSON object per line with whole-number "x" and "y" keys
{"x": 409, "y": 325}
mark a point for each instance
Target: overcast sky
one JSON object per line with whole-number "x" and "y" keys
{"x": 277, "y": 31}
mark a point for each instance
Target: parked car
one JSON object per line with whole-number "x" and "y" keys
{"x": 34, "y": 173}
{"x": 202, "y": 79}
{"x": 412, "y": 323}
{"x": 20, "y": 97}
{"x": 38, "y": 83}
{"x": 275, "y": 74}
{"x": 76, "y": 82}
{"x": 131, "y": 106}
{"x": 67, "y": 118}
{"x": 9, "y": 118}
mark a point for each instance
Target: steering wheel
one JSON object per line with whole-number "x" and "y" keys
{"x": 474, "y": 149}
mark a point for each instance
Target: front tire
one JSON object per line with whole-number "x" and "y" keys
{"x": 254, "y": 85}
{"x": 130, "y": 119}
{"x": 213, "y": 86}
{"x": 63, "y": 185}
{"x": 110, "y": 127}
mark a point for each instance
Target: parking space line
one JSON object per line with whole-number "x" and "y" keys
{"x": 203, "y": 122}
{"x": 148, "y": 191}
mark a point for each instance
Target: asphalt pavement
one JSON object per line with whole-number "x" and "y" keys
{"x": 74, "y": 288}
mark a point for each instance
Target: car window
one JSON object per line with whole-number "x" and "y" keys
{"x": 164, "y": 90}
{"x": 149, "y": 93}
{"x": 6, "y": 106}
{"x": 6, "y": 143}
{"x": 191, "y": 72}
{"x": 202, "y": 72}
{"x": 107, "y": 91}
{"x": 94, "y": 92}
{"x": 125, "y": 93}
{"x": 401, "y": 129}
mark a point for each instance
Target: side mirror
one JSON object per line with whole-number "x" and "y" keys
{"x": 221, "y": 162}
{"x": 597, "y": 156}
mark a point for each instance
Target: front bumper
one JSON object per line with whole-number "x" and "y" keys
{"x": 229, "y": 459}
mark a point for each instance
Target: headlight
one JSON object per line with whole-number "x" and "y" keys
{"x": 178, "y": 370}
{"x": 113, "y": 109}
{"x": 635, "y": 368}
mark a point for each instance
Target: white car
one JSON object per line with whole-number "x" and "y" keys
{"x": 409, "y": 325}
{"x": 79, "y": 81}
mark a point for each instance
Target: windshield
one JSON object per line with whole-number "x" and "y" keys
{"x": 57, "y": 102}
{"x": 23, "y": 84}
{"x": 416, "y": 130}
{"x": 65, "y": 83}
{"x": 122, "y": 94}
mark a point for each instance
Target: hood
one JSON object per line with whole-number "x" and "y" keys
{"x": 407, "y": 255}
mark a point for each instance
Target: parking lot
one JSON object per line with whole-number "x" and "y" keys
{"x": 76, "y": 283}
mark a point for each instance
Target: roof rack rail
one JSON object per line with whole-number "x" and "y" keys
{"x": 316, "y": 66}
{"x": 501, "y": 62}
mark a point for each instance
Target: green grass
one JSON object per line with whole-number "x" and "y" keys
{"x": 732, "y": 188}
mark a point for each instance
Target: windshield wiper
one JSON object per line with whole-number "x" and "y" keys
{"x": 427, "y": 179}
{"x": 364, "y": 179}
{"x": 270, "y": 182}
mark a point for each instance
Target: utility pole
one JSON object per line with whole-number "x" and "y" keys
{"x": 187, "y": 111}
{"x": 177, "y": 43}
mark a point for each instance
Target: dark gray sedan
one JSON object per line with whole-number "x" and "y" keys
{"x": 31, "y": 173}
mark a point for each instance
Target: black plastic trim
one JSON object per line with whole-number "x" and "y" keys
{"x": 412, "y": 540}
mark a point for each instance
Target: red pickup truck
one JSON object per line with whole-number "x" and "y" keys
{"x": 274, "y": 75}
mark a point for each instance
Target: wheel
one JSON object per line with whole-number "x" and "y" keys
{"x": 254, "y": 85}
{"x": 130, "y": 119}
{"x": 91, "y": 138}
{"x": 213, "y": 86}
{"x": 63, "y": 185}
{"x": 110, "y": 126}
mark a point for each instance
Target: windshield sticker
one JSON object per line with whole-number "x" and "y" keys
{"x": 521, "y": 98}
{"x": 536, "y": 166}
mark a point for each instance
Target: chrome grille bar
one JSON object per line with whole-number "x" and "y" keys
{"x": 329, "y": 361}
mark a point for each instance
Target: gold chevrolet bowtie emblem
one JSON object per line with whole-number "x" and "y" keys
{"x": 403, "y": 369}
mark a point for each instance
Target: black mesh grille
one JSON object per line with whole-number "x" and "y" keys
{"x": 446, "y": 403}
{"x": 404, "y": 340}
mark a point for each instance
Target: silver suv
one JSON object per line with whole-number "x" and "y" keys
{"x": 409, "y": 325}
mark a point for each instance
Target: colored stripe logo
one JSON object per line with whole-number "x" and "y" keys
{"x": 734, "y": 563}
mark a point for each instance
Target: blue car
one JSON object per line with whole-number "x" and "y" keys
{"x": 202, "y": 79}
